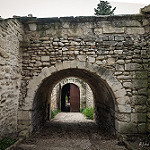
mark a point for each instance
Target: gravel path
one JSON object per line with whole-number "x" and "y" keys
{"x": 70, "y": 131}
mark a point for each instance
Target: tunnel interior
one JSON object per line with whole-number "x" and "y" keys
{"x": 104, "y": 100}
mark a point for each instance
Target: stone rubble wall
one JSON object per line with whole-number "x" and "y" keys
{"x": 11, "y": 33}
{"x": 115, "y": 42}
{"x": 120, "y": 44}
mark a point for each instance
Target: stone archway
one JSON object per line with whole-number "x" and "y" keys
{"x": 110, "y": 97}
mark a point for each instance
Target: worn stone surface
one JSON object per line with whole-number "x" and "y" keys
{"x": 11, "y": 33}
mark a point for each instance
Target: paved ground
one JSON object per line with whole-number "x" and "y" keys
{"x": 70, "y": 131}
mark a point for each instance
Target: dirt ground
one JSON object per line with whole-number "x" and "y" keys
{"x": 70, "y": 131}
{"x": 139, "y": 142}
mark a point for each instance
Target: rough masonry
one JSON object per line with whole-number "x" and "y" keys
{"x": 109, "y": 53}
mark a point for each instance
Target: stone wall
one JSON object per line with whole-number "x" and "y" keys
{"x": 86, "y": 95}
{"x": 116, "y": 43}
{"x": 11, "y": 33}
{"x": 110, "y": 53}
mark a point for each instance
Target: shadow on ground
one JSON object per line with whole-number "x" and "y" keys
{"x": 57, "y": 135}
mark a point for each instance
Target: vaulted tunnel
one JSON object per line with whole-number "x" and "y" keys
{"x": 103, "y": 98}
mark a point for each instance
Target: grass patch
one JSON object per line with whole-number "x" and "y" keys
{"x": 6, "y": 142}
{"x": 54, "y": 113}
{"x": 88, "y": 112}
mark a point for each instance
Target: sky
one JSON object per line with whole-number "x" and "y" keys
{"x": 62, "y": 8}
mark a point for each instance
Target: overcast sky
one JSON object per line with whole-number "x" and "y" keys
{"x": 59, "y": 8}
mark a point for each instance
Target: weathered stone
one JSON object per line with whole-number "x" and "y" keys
{"x": 127, "y": 85}
{"x": 32, "y": 26}
{"x": 139, "y": 84}
{"x": 98, "y": 31}
{"x": 139, "y": 100}
{"x": 81, "y": 57}
{"x": 140, "y": 108}
{"x": 120, "y": 67}
{"x": 124, "y": 108}
{"x": 127, "y": 127}
{"x": 135, "y": 30}
{"x": 146, "y": 9}
{"x": 119, "y": 38}
{"x": 45, "y": 58}
{"x": 60, "y": 44}
{"x": 141, "y": 74}
{"x": 55, "y": 43}
{"x": 133, "y": 66}
{"x": 110, "y": 29}
{"x": 91, "y": 59}
{"x": 123, "y": 100}
{"x": 111, "y": 61}
{"x": 3, "y": 53}
{"x": 124, "y": 117}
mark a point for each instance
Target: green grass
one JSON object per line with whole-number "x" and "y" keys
{"x": 6, "y": 142}
{"x": 88, "y": 112}
{"x": 54, "y": 112}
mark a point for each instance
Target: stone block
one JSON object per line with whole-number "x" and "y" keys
{"x": 61, "y": 44}
{"x": 141, "y": 108}
{"x": 124, "y": 117}
{"x": 119, "y": 38}
{"x": 120, "y": 67}
{"x": 116, "y": 86}
{"x": 123, "y": 100}
{"x": 135, "y": 30}
{"x": 133, "y": 66}
{"x": 98, "y": 31}
{"x": 3, "y": 53}
{"x": 141, "y": 74}
{"x": 24, "y": 133}
{"x": 91, "y": 59}
{"x": 81, "y": 57}
{"x": 146, "y": 9}
{"x": 124, "y": 127}
{"x": 127, "y": 85}
{"x": 120, "y": 62}
{"x": 111, "y": 61}
{"x": 138, "y": 117}
{"x": 124, "y": 108}
{"x": 120, "y": 93}
{"x": 110, "y": 29}
{"x": 32, "y": 26}
{"x": 140, "y": 84}
{"x": 45, "y": 58}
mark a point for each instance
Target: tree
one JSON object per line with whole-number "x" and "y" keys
{"x": 104, "y": 8}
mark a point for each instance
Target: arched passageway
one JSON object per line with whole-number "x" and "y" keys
{"x": 103, "y": 96}
{"x": 70, "y": 98}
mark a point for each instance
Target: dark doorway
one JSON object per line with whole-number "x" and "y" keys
{"x": 70, "y": 98}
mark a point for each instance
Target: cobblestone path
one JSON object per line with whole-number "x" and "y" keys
{"x": 70, "y": 131}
